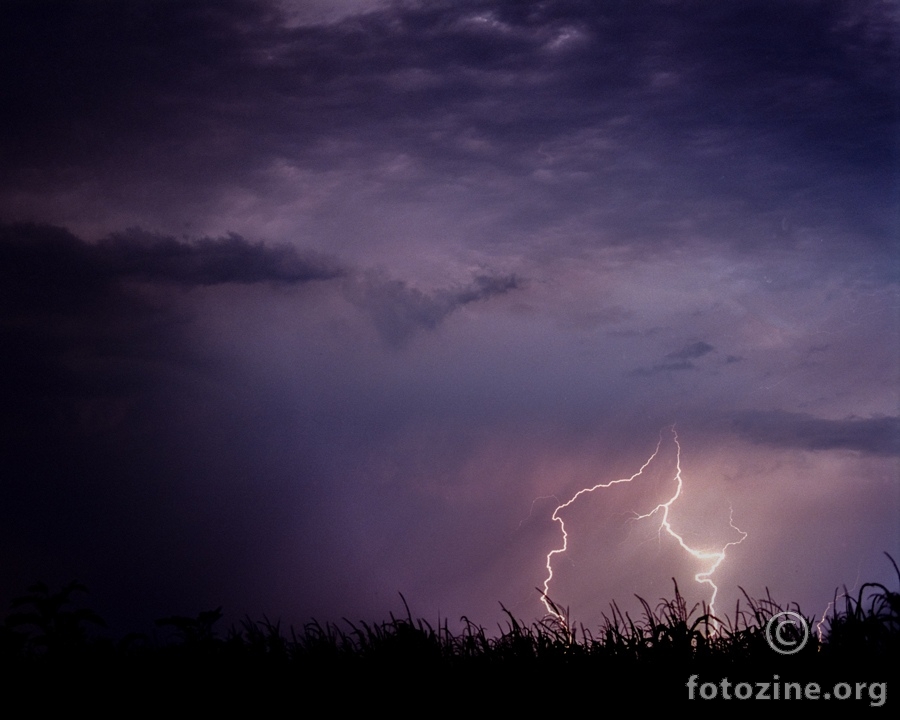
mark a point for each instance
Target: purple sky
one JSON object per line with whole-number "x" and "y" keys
{"x": 305, "y": 304}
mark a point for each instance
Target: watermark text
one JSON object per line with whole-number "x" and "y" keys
{"x": 777, "y": 689}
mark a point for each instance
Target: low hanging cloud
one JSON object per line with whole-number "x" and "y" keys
{"x": 872, "y": 436}
{"x": 692, "y": 351}
{"x": 32, "y": 254}
{"x": 678, "y": 360}
{"x": 72, "y": 328}
{"x": 231, "y": 259}
{"x": 400, "y": 311}
{"x": 207, "y": 261}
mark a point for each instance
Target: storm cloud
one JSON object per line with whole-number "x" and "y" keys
{"x": 873, "y": 436}
{"x": 692, "y": 351}
{"x": 399, "y": 311}
{"x": 404, "y": 97}
{"x": 69, "y": 318}
{"x": 207, "y": 261}
{"x": 45, "y": 257}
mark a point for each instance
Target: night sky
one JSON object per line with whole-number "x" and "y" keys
{"x": 307, "y": 303}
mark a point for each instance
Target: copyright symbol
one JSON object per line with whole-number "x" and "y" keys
{"x": 787, "y": 632}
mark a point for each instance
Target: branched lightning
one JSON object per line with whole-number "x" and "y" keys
{"x": 556, "y": 518}
{"x": 714, "y": 557}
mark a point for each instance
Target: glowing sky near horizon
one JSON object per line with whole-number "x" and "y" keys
{"x": 306, "y": 304}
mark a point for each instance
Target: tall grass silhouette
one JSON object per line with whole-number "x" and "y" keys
{"x": 666, "y": 639}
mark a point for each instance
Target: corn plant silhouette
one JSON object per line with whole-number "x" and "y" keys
{"x": 868, "y": 628}
{"x": 628, "y": 652}
{"x": 53, "y": 626}
{"x": 196, "y": 631}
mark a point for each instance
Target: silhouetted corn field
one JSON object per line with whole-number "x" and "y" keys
{"x": 654, "y": 653}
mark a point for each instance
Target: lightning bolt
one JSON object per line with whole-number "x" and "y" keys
{"x": 713, "y": 558}
{"x": 820, "y": 632}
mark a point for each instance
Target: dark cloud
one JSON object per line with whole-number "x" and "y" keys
{"x": 75, "y": 72}
{"x": 400, "y": 312}
{"x": 65, "y": 319}
{"x": 565, "y": 101}
{"x": 43, "y": 262}
{"x": 873, "y": 436}
{"x": 207, "y": 261}
{"x": 677, "y": 360}
{"x": 46, "y": 269}
{"x": 692, "y": 351}
{"x": 663, "y": 367}
{"x": 73, "y": 330}
{"x": 116, "y": 420}
{"x": 75, "y": 336}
